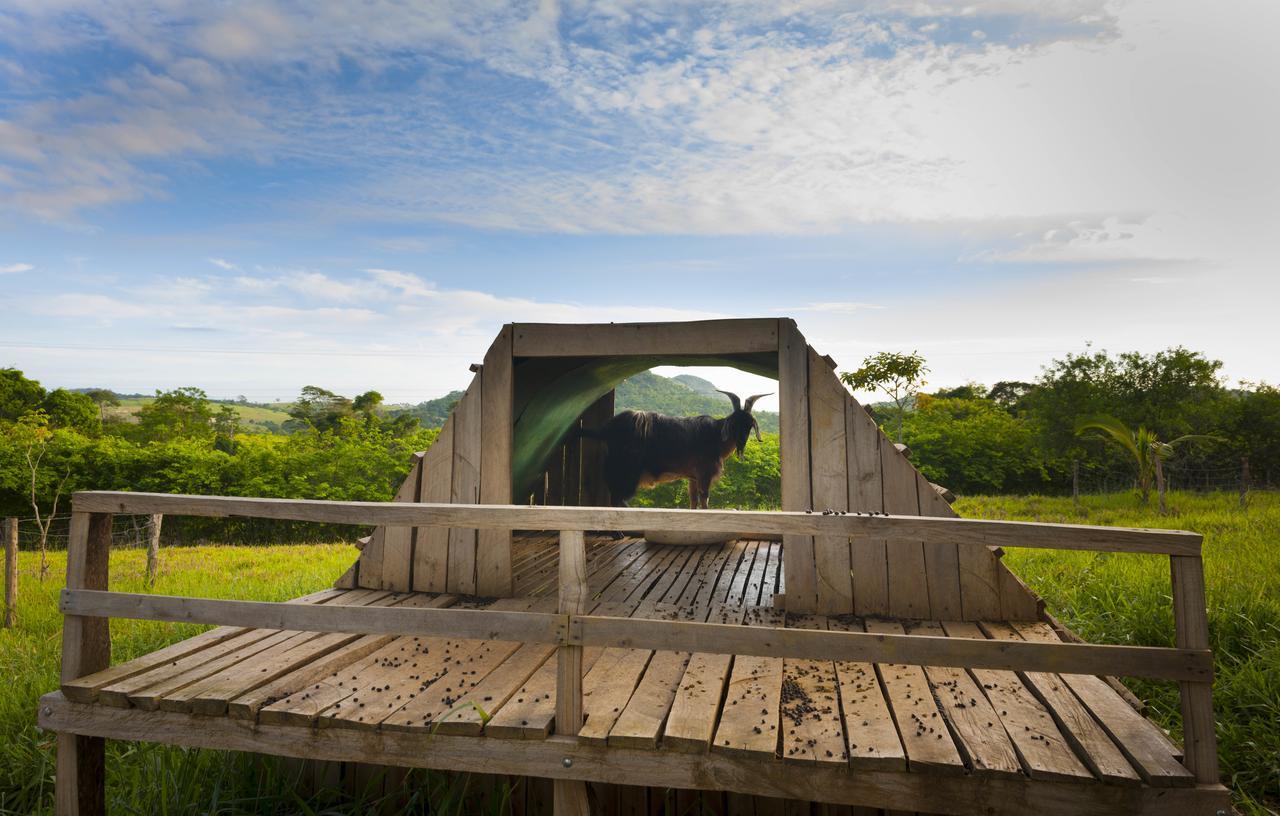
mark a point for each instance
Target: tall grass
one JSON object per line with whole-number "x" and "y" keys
{"x": 1122, "y": 598}
{"x": 145, "y": 778}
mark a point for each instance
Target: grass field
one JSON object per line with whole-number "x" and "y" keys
{"x": 1106, "y": 598}
{"x": 249, "y": 414}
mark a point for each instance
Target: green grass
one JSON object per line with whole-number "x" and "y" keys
{"x": 1121, "y": 598}
{"x": 1105, "y": 598}
{"x": 144, "y": 778}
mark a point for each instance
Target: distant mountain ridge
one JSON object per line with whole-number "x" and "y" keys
{"x": 682, "y": 395}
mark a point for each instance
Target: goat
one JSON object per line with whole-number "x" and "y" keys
{"x": 646, "y": 448}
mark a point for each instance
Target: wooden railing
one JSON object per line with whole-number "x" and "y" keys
{"x": 88, "y": 605}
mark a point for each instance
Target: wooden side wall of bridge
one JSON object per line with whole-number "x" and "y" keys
{"x": 833, "y": 457}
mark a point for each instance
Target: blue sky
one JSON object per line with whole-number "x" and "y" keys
{"x": 256, "y": 196}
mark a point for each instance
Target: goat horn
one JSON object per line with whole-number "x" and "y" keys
{"x": 737, "y": 403}
{"x": 751, "y": 400}
{"x": 756, "y": 425}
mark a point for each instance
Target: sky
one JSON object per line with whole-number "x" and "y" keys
{"x": 253, "y": 197}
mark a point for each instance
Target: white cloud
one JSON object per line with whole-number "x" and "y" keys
{"x": 223, "y": 264}
{"x": 13, "y": 268}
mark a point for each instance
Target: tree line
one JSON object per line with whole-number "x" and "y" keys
{"x": 1011, "y": 437}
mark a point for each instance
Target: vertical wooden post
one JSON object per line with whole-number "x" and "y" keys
{"x": 595, "y": 493}
{"x": 1244, "y": 482}
{"x": 793, "y": 420}
{"x": 1160, "y": 483}
{"x": 153, "y": 547}
{"x": 493, "y": 547}
{"x": 10, "y": 572}
{"x": 80, "y": 783}
{"x": 570, "y": 795}
{"x": 1200, "y": 741}
{"x": 1075, "y": 482}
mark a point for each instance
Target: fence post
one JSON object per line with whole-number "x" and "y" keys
{"x": 1191, "y": 622}
{"x": 80, "y": 780}
{"x": 10, "y": 572}
{"x": 570, "y": 796}
{"x": 1075, "y": 482}
{"x": 1244, "y": 482}
{"x": 153, "y": 547}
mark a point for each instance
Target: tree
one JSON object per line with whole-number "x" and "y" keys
{"x": 319, "y": 409}
{"x": 71, "y": 409}
{"x": 183, "y": 413}
{"x": 104, "y": 398}
{"x": 367, "y": 403}
{"x": 35, "y": 434}
{"x": 1009, "y": 394}
{"x": 899, "y": 376}
{"x": 18, "y": 394}
{"x": 1143, "y": 445}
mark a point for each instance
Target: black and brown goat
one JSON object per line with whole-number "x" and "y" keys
{"x": 646, "y": 448}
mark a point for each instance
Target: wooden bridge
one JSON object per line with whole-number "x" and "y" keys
{"x": 620, "y": 662}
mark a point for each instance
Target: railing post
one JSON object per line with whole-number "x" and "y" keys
{"x": 570, "y": 795}
{"x": 1200, "y": 741}
{"x": 10, "y": 572}
{"x": 80, "y": 783}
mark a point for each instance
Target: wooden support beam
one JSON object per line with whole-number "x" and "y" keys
{"x": 10, "y": 572}
{"x": 1037, "y": 535}
{"x": 793, "y": 406}
{"x": 1200, "y": 741}
{"x": 716, "y": 337}
{"x": 594, "y": 491}
{"x": 1004, "y": 796}
{"x": 467, "y": 446}
{"x": 80, "y": 782}
{"x": 570, "y": 795}
{"x": 493, "y": 547}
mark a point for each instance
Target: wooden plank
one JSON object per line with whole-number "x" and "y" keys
{"x": 246, "y": 706}
{"x": 731, "y": 586}
{"x": 750, "y": 716}
{"x": 1191, "y": 624}
{"x": 868, "y": 557}
{"x": 431, "y": 548}
{"x": 1139, "y": 739}
{"x": 872, "y": 736}
{"x": 828, "y": 472}
{"x": 921, "y": 725}
{"x": 941, "y": 557}
{"x": 975, "y": 723}
{"x": 369, "y": 575}
{"x": 211, "y": 695}
{"x": 692, "y": 720}
{"x": 342, "y": 681}
{"x": 714, "y": 337}
{"x": 80, "y": 783}
{"x": 1044, "y": 751}
{"x": 908, "y": 575}
{"x": 1087, "y": 737}
{"x": 610, "y": 685}
{"x": 797, "y": 496}
{"x": 1017, "y": 601}
{"x": 157, "y": 694}
{"x": 467, "y": 446}
{"x": 533, "y": 627}
{"x": 493, "y": 547}
{"x": 640, "y": 723}
{"x": 397, "y": 541}
{"x": 812, "y": 730}
{"x": 762, "y": 524}
{"x": 493, "y": 691}
{"x": 920, "y": 792}
{"x": 405, "y": 670}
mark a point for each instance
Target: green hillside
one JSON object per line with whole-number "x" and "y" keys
{"x": 266, "y": 418}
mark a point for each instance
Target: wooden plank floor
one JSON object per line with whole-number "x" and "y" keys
{"x": 912, "y": 719}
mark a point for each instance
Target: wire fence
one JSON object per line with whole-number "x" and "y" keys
{"x": 1224, "y": 475}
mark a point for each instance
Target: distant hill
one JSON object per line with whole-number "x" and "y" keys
{"x": 682, "y": 395}
{"x": 432, "y": 413}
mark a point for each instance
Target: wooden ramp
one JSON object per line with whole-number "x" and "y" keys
{"x": 730, "y": 734}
